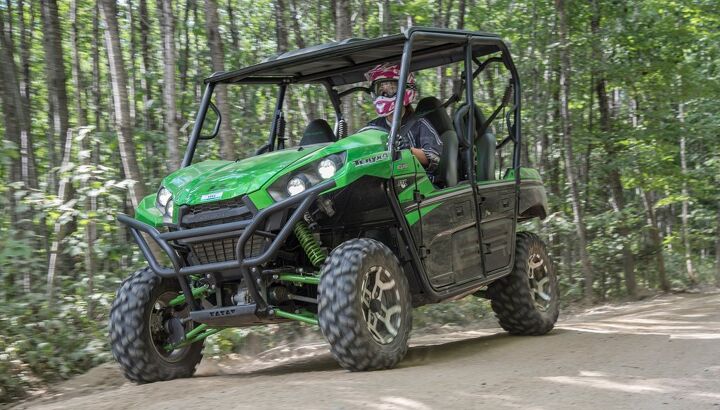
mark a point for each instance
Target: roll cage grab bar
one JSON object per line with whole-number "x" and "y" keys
{"x": 514, "y": 130}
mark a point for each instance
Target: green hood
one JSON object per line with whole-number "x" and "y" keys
{"x": 217, "y": 180}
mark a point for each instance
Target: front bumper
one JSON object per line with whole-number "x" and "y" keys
{"x": 169, "y": 241}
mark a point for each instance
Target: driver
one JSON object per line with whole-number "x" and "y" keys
{"x": 417, "y": 133}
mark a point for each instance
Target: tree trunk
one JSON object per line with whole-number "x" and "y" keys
{"x": 227, "y": 140}
{"x": 656, "y": 239}
{"x": 185, "y": 56}
{"x": 343, "y": 20}
{"x": 58, "y": 103}
{"x": 233, "y": 26}
{"x": 167, "y": 30}
{"x": 131, "y": 63}
{"x": 55, "y": 73}
{"x": 76, "y": 74}
{"x": 717, "y": 248}
{"x": 613, "y": 176}
{"x": 28, "y": 164}
{"x": 61, "y": 228}
{"x": 685, "y": 216}
{"x": 118, "y": 79}
{"x": 145, "y": 65}
{"x": 385, "y": 17}
{"x": 299, "y": 40}
{"x": 281, "y": 30}
{"x": 343, "y": 30}
{"x": 567, "y": 143}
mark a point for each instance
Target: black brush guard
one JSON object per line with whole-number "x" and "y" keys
{"x": 246, "y": 265}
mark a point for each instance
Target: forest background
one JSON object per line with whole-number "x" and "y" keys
{"x": 619, "y": 114}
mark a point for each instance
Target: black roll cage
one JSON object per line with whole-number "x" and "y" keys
{"x": 412, "y": 35}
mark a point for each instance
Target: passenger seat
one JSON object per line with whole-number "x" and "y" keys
{"x": 431, "y": 108}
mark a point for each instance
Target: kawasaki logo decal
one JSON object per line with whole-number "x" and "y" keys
{"x": 371, "y": 160}
{"x": 209, "y": 197}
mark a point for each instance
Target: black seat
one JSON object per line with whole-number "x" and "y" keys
{"x": 431, "y": 109}
{"x": 484, "y": 144}
{"x": 317, "y": 132}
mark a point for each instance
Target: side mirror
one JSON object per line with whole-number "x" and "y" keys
{"x": 216, "y": 129}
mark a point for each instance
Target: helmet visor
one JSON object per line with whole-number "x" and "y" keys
{"x": 385, "y": 88}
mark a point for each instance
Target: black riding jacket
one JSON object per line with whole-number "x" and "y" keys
{"x": 420, "y": 134}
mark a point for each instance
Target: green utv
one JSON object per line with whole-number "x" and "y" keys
{"x": 344, "y": 230}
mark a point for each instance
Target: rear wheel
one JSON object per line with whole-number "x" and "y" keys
{"x": 142, "y": 323}
{"x": 526, "y": 301}
{"x": 364, "y": 307}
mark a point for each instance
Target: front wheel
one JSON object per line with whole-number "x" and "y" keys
{"x": 142, "y": 324}
{"x": 526, "y": 302}
{"x": 364, "y": 307}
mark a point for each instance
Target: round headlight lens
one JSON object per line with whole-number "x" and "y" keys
{"x": 163, "y": 196}
{"x": 327, "y": 168}
{"x": 296, "y": 185}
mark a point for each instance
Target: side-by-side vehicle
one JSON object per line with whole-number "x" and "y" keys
{"x": 344, "y": 230}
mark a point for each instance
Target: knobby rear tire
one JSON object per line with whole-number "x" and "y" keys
{"x": 512, "y": 297}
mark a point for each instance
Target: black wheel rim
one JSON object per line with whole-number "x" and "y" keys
{"x": 160, "y": 313}
{"x": 381, "y": 304}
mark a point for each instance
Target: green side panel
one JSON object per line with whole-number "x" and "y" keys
{"x": 148, "y": 213}
{"x": 408, "y": 165}
{"x": 525, "y": 174}
{"x": 444, "y": 191}
{"x": 414, "y": 216}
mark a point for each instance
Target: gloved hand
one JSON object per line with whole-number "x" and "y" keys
{"x": 402, "y": 142}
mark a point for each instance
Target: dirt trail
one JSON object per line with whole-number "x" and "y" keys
{"x": 661, "y": 353}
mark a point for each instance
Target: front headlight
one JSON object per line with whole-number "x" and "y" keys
{"x": 305, "y": 177}
{"x": 327, "y": 168}
{"x": 296, "y": 185}
{"x": 163, "y": 196}
{"x": 164, "y": 202}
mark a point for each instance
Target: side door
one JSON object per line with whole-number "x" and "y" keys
{"x": 450, "y": 238}
{"x": 443, "y": 223}
{"x": 496, "y": 206}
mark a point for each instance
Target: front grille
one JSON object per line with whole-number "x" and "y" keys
{"x": 222, "y": 250}
{"x": 215, "y": 213}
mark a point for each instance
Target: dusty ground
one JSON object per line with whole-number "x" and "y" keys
{"x": 662, "y": 353}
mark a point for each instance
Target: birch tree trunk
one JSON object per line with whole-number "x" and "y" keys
{"x": 685, "y": 213}
{"x": 118, "y": 79}
{"x": 569, "y": 158}
{"x": 167, "y": 29}
{"x": 28, "y": 164}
